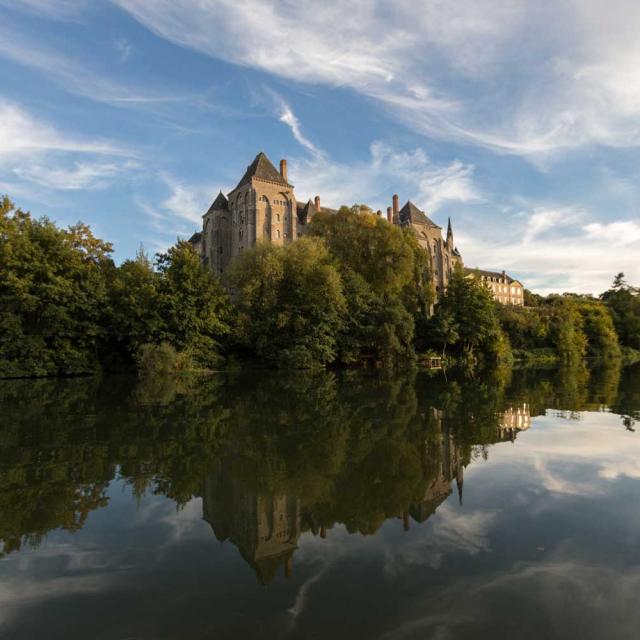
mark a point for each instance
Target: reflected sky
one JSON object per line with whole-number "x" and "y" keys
{"x": 358, "y": 507}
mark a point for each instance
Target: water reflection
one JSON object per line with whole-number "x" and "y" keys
{"x": 272, "y": 456}
{"x": 397, "y": 506}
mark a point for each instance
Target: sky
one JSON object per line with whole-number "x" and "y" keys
{"x": 519, "y": 119}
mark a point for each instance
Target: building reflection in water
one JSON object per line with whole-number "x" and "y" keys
{"x": 266, "y": 527}
{"x": 516, "y": 418}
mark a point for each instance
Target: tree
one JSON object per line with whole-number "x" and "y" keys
{"x": 466, "y": 318}
{"x": 289, "y": 303}
{"x": 136, "y": 316}
{"x": 602, "y": 339}
{"x": 566, "y": 329}
{"x": 193, "y": 305}
{"x": 53, "y": 295}
{"x": 370, "y": 246}
{"x": 624, "y": 304}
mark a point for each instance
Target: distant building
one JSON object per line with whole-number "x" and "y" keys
{"x": 263, "y": 207}
{"x": 443, "y": 254}
{"x": 513, "y": 420}
{"x": 503, "y": 287}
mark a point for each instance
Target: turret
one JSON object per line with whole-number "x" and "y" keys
{"x": 449, "y": 235}
{"x": 460, "y": 482}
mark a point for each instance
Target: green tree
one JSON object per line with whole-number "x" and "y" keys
{"x": 136, "y": 316}
{"x": 602, "y": 339}
{"x": 566, "y": 329}
{"x": 53, "y": 295}
{"x": 289, "y": 303}
{"x": 468, "y": 314}
{"x": 193, "y": 305}
{"x": 624, "y": 303}
{"x": 370, "y": 246}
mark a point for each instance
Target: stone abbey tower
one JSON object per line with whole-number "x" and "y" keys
{"x": 263, "y": 206}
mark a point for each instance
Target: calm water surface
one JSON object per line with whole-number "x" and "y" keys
{"x": 321, "y": 506}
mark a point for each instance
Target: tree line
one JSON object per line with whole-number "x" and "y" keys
{"x": 353, "y": 290}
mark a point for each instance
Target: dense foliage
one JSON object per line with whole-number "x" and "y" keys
{"x": 623, "y": 301}
{"x": 65, "y": 308}
{"x": 354, "y": 290}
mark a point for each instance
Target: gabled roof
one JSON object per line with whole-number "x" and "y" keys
{"x": 195, "y": 238}
{"x": 411, "y": 213}
{"x": 305, "y": 210}
{"x": 220, "y": 203}
{"x": 490, "y": 274}
{"x": 263, "y": 169}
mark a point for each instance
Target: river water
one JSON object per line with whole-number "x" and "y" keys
{"x": 322, "y": 505}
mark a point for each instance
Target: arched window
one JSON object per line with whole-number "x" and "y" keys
{"x": 277, "y": 217}
{"x": 278, "y": 233}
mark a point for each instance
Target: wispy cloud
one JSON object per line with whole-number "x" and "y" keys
{"x": 23, "y": 134}
{"x": 373, "y": 181}
{"x": 80, "y": 79}
{"x": 52, "y": 9}
{"x": 123, "y": 48}
{"x": 543, "y": 219}
{"x": 581, "y": 86}
{"x": 79, "y": 175}
{"x": 36, "y": 157}
{"x": 288, "y": 117}
{"x": 555, "y": 249}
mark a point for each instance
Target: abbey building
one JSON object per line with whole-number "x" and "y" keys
{"x": 263, "y": 206}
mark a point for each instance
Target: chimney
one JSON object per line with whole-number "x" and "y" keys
{"x": 316, "y": 201}
{"x": 283, "y": 168}
{"x": 389, "y": 215}
{"x": 504, "y": 276}
{"x": 396, "y": 208}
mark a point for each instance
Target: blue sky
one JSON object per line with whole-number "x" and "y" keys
{"x": 519, "y": 119}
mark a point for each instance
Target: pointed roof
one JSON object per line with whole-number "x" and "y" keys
{"x": 411, "y": 213}
{"x": 449, "y": 230}
{"x": 262, "y": 168}
{"x": 219, "y": 204}
{"x": 305, "y": 210}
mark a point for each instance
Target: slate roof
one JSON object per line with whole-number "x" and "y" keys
{"x": 411, "y": 213}
{"x": 262, "y": 168}
{"x": 196, "y": 237}
{"x": 306, "y": 209}
{"x": 219, "y": 204}
{"x": 489, "y": 274}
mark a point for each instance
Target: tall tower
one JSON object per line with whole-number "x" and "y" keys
{"x": 262, "y": 206}
{"x": 215, "y": 247}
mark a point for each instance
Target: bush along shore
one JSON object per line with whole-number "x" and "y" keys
{"x": 354, "y": 290}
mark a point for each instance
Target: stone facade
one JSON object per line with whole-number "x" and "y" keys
{"x": 443, "y": 254}
{"x": 504, "y": 288}
{"x": 263, "y": 207}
